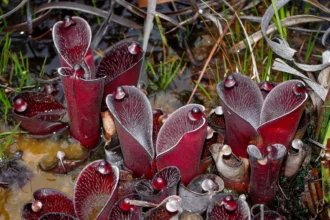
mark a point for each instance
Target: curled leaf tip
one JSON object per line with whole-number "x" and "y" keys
{"x": 104, "y": 168}
{"x": 229, "y": 203}
{"x": 119, "y": 94}
{"x": 266, "y": 86}
{"x": 68, "y": 21}
{"x": 230, "y": 82}
{"x": 20, "y": 105}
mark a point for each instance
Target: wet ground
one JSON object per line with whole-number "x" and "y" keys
{"x": 35, "y": 152}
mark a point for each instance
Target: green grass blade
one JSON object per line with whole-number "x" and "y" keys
{"x": 277, "y": 20}
{"x": 203, "y": 90}
{"x": 43, "y": 67}
{"x": 161, "y": 31}
{"x": 311, "y": 43}
{"x": 6, "y": 105}
{"x": 323, "y": 121}
{"x": 152, "y": 70}
{"x": 325, "y": 173}
{"x": 9, "y": 141}
{"x": 98, "y": 19}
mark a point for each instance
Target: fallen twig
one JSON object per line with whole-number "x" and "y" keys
{"x": 231, "y": 21}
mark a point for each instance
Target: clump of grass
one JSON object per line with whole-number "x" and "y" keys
{"x": 7, "y": 140}
{"x": 247, "y": 57}
{"x": 14, "y": 63}
{"x": 311, "y": 44}
{"x": 43, "y": 67}
{"x": 279, "y": 15}
{"x": 326, "y": 181}
{"x": 278, "y": 18}
{"x": 4, "y": 109}
{"x": 204, "y": 91}
{"x": 5, "y": 54}
{"x": 21, "y": 68}
{"x": 163, "y": 73}
{"x": 266, "y": 71}
{"x": 15, "y": 74}
{"x": 4, "y": 25}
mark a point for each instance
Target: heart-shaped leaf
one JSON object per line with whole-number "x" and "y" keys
{"x": 180, "y": 141}
{"x": 72, "y": 38}
{"x": 242, "y": 102}
{"x": 133, "y": 117}
{"x": 249, "y": 119}
{"x": 96, "y": 190}
{"x": 281, "y": 113}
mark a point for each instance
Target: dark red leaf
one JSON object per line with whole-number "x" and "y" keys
{"x": 84, "y": 105}
{"x": 249, "y": 119}
{"x": 180, "y": 141}
{"x": 265, "y": 169}
{"x": 41, "y": 106}
{"x": 50, "y": 200}
{"x": 133, "y": 118}
{"x": 281, "y": 113}
{"x": 121, "y": 66}
{"x": 42, "y": 115}
{"x": 72, "y": 38}
{"x": 96, "y": 190}
{"x": 242, "y": 102}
